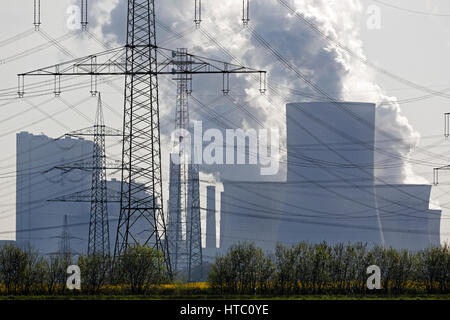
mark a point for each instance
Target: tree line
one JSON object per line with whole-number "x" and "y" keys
{"x": 329, "y": 269}
{"x": 243, "y": 270}
{"x": 23, "y": 271}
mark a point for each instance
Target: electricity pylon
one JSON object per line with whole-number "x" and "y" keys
{"x": 184, "y": 199}
{"x": 98, "y": 241}
{"x": 64, "y": 250}
{"x": 140, "y": 61}
{"x": 195, "y": 257}
{"x": 178, "y": 211}
{"x": 98, "y": 224}
{"x": 177, "y": 245}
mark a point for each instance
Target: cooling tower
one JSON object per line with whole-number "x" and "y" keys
{"x": 330, "y": 193}
{"x": 330, "y": 141}
{"x": 330, "y": 170}
{"x": 405, "y": 218}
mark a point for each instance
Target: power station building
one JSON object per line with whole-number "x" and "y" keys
{"x": 331, "y": 193}
{"x": 40, "y": 222}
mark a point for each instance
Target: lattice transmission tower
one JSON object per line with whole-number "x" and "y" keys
{"x": 184, "y": 230}
{"x": 98, "y": 196}
{"x": 195, "y": 253}
{"x": 178, "y": 202}
{"x": 140, "y": 61}
{"x": 64, "y": 249}
{"x": 99, "y": 223}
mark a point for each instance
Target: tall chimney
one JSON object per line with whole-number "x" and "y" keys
{"x": 211, "y": 217}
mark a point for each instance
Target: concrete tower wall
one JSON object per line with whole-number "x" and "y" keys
{"x": 319, "y": 141}
{"x": 405, "y": 218}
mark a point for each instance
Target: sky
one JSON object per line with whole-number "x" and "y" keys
{"x": 409, "y": 39}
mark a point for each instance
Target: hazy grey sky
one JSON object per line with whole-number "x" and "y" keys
{"x": 412, "y": 45}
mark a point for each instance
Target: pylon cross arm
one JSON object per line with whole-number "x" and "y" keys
{"x": 88, "y": 165}
{"x": 113, "y": 63}
{"x": 85, "y": 196}
{"x": 90, "y": 131}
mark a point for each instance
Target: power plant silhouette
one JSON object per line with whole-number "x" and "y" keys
{"x": 331, "y": 193}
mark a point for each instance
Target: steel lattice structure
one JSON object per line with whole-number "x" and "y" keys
{"x": 195, "y": 255}
{"x": 184, "y": 201}
{"x": 141, "y": 154}
{"x": 64, "y": 245}
{"x": 98, "y": 223}
{"x": 178, "y": 212}
{"x": 98, "y": 195}
{"x": 140, "y": 61}
{"x": 64, "y": 249}
{"x": 177, "y": 244}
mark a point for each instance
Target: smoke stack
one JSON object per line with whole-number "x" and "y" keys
{"x": 211, "y": 217}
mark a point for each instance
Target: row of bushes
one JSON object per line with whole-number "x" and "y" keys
{"x": 324, "y": 269}
{"x": 244, "y": 269}
{"x": 23, "y": 271}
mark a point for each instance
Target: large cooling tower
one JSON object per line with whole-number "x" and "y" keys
{"x": 330, "y": 170}
{"x": 330, "y": 141}
{"x": 330, "y": 193}
{"x": 405, "y": 218}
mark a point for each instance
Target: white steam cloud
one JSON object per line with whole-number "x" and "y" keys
{"x": 342, "y": 76}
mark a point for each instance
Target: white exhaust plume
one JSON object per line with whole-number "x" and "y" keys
{"x": 332, "y": 69}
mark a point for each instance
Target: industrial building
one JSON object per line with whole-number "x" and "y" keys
{"x": 40, "y": 222}
{"x": 330, "y": 193}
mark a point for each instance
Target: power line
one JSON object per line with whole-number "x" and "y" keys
{"x": 356, "y": 55}
{"x": 411, "y": 10}
{"x": 358, "y": 118}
